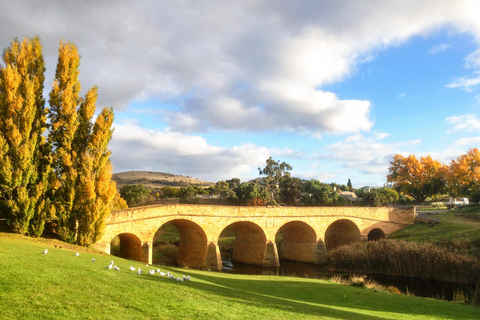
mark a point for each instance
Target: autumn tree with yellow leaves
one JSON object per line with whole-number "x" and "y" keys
{"x": 464, "y": 176}
{"x": 419, "y": 178}
{"x": 425, "y": 177}
{"x": 81, "y": 159}
{"x": 66, "y": 176}
{"x": 24, "y": 158}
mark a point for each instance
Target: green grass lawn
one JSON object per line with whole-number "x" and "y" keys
{"x": 60, "y": 285}
{"x": 456, "y": 229}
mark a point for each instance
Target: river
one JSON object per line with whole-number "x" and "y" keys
{"x": 406, "y": 285}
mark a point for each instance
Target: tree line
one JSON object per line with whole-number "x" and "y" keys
{"x": 54, "y": 157}
{"x": 425, "y": 177}
{"x": 274, "y": 186}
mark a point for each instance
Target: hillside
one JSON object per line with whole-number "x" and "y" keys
{"x": 458, "y": 230}
{"x": 157, "y": 179}
{"x": 61, "y": 285}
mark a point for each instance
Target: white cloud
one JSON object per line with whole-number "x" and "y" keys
{"x": 467, "y": 122}
{"x": 239, "y": 66}
{"x": 365, "y": 154}
{"x": 439, "y": 48}
{"x": 472, "y": 141}
{"x": 135, "y": 148}
{"x": 465, "y": 83}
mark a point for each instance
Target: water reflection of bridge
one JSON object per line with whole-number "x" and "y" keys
{"x": 307, "y": 232}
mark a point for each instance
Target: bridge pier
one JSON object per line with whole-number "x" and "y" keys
{"x": 146, "y": 252}
{"x": 213, "y": 260}
{"x": 271, "y": 255}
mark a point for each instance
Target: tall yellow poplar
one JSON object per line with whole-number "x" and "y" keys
{"x": 64, "y": 100}
{"x": 24, "y": 163}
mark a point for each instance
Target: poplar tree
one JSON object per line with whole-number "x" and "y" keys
{"x": 84, "y": 189}
{"x": 96, "y": 190}
{"x": 24, "y": 163}
{"x": 64, "y": 100}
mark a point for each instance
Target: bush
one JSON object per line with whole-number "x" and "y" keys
{"x": 402, "y": 258}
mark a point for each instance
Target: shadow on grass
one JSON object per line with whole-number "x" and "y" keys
{"x": 325, "y": 299}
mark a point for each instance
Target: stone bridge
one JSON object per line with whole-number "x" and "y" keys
{"x": 303, "y": 234}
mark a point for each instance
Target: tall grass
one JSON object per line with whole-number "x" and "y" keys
{"x": 402, "y": 258}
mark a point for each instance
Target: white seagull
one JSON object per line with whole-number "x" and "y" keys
{"x": 116, "y": 268}
{"x": 179, "y": 280}
{"x": 93, "y": 260}
{"x": 110, "y": 266}
{"x": 132, "y": 268}
{"x": 187, "y": 278}
{"x": 77, "y": 254}
{"x": 162, "y": 273}
{"x": 45, "y": 252}
{"x": 139, "y": 271}
{"x": 152, "y": 272}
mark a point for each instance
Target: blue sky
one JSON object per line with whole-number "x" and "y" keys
{"x": 212, "y": 89}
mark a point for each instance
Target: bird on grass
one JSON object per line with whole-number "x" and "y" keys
{"x": 93, "y": 260}
{"x": 162, "y": 274}
{"x": 151, "y": 272}
{"x": 132, "y": 268}
{"x": 187, "y": 278}
{"x": 110, "y": 266}
{"x": 77, "y": 254}
{"x": 45, "y": 252}
{"x": 116, "y": 268}
{"x": 139, "y": 271}
{"x": 179, "y": 280}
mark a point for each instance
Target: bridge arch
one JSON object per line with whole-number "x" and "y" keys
{"x": 192, "y": 248}
{"x": 130, "y": 247}
{"x": 250, "y": 244}
{"x": 341, "y": 232}
{"x": 297, "y": 241}
{"x": 376, "y": 234}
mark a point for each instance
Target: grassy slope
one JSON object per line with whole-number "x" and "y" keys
{"x": 456, "y": 229}
{"x": 59, "y": 285}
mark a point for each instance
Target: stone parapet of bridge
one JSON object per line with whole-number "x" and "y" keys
{"x": 303, "y": 233}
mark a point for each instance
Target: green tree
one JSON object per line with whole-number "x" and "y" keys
{"x": 372, "y": 199}
{"x": 222, "y": 188}
{"x": 274, "y": 172}
{"x": 134, "y": 194}
{"x": 387, "y": 196}
{"x": 349, "y": 185}
{"x": 291, "y": 190}
{"x": 247, "y": 192}
{"x": 24, "y": 162}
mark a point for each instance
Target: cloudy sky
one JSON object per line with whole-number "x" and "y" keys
{"x": 211, "y": 89}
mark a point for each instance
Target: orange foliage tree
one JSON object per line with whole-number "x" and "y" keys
{"x": 420, "y": 178}
{"x": 464, "y": 175}
{"x": 67, "y": 176}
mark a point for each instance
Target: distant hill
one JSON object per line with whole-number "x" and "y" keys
{"x": 157, "y": 179}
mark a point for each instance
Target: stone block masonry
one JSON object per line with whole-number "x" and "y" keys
{"x": 307, "y": 233}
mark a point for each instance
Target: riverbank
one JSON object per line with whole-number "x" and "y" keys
{"x": 60, "y": 285}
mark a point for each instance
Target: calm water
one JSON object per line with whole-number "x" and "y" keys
{"x": 416, "y": 286}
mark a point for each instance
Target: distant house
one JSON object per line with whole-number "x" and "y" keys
{"x": 349, "y": 195}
